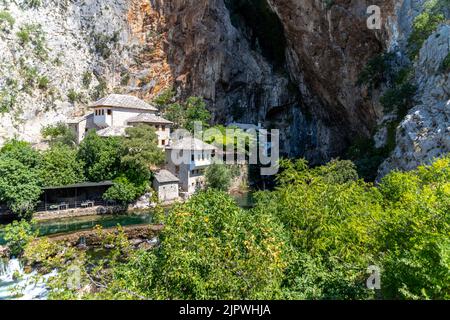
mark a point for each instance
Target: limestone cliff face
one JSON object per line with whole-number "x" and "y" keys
{"x": 424, "y": 134}
{"x": 298, "y": 75}
{"x": 289, "y": 64}
{"x": 60, "y": 55}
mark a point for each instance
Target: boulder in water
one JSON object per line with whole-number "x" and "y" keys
{"x": 4, "y": 252}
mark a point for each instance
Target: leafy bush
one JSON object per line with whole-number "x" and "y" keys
{"x": 59, "y": 133}
{"x": 399, "y": 99}
{"x": 100, "y": 90}
{"x": 87, "y": 79}
{"x": 424, "y": 25}
{"x": 33, "y": 33}
{"x": 123, "y": 191}
{"x": 164, "y": 99}
{"x": 32, "y": 3}
{"x": 376, "y": 70}
{"x": 6, "y": 21}
{"x": 218, "y": 176}
{"x": 18, "y": 234}
{"x": 43, "y": 82}
{"x": 73, "y": 96}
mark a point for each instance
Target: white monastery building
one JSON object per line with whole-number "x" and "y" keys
{"x": 188, "y": 158}
{"x": 114, "y": 113}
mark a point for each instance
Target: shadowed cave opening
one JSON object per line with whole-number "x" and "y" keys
{"x": 263, "y": 28}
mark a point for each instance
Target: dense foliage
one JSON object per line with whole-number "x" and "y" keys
{"x": 313, "y": 237}
{"x": 101, "y": 157}
{"x": 59, "y": 134}
{"x": 60, "y": 166}
{"x": 128, "y": 160}
{"x": 425, "y": 24}
{"x": 20, "y": 177}
{"x": 218, "y": 176}
{"x": 183, "y": 114}
{"x": 18, "y": 235}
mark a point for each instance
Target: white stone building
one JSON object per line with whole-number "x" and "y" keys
{"x": 161, "y": 126}
{"x": 114, "y": 113}
{"x": 166, "y": 186}
{"x": 188, "y": 158}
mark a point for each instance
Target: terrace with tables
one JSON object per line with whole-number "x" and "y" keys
{"x": 80, "y": 195}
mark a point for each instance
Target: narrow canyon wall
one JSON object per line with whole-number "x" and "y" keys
{"x": 59, "y": 56}
{"x": 290, "y": 65}
{"x": 298, "y": 75}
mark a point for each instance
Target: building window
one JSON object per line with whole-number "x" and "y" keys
{"x": 103, "y": 112}
{"x": 192, "y": 157}
{"x": 163, "y": 128}
{"x": 109, "y": 112}
{"x": 163, "y": 142}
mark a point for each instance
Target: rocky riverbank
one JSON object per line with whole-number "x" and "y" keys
{"x": 91, "y": 238}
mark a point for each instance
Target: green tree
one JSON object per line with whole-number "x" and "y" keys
{"x": 60, "y": 133}
{"x": 18, "y": 235}
{"x": 140, "y": 153}
{"x": 21, "y": 151}
{"x": 414, "y": 233}
{"x": 218, "y": 176}
{"x": 175, "y": 112}
{"x": 101, "y": 157}
{"x": 164, "y": 99}
{"x": 196, "y": 111}
{"x": 123, "y": 191}
{"x": 184, "y": 115}
{"x": 20, "y": 186}
{"x": 60, "y": 166}
{"x": 424, "y": 25}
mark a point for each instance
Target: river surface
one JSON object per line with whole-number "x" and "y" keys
{"x": 68, "y": 225}
{"x": 11, "y": 270}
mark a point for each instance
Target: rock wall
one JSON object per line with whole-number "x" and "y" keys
{"x": 425, "y": 132}
{"x": 291, "y": 65}
{"x": 298, "y": 76}
{"x": 59, "y": 56}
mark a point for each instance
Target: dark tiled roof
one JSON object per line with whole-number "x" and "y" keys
{"x": 149, "y": 118}
{"x": 189, "y": 143}
{"x": 165, "y": 176}
{"x": 83, "y": 185}
{"x": 123, "y": 101}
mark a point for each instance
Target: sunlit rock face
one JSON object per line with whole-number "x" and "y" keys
{"x": 424, "y": 134}
{"x": 290, "y": 65}
{"x": 287, "y": 64}
{"x": 83, "y": 49}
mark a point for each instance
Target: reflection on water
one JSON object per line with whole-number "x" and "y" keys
{"x": 67, "y": 225}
